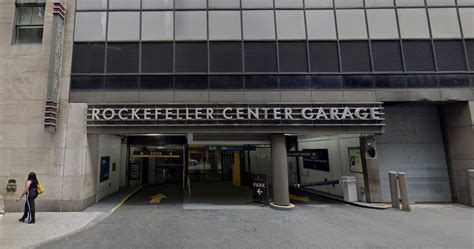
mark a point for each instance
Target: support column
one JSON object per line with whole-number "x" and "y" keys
{"x": 281, "y": 194}
{"x": 370, "y": 166}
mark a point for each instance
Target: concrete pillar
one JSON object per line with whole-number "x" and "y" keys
{"x": 371, "y": 169}
{"x": 471, "y": 185}
{"x": 281, "y": 194}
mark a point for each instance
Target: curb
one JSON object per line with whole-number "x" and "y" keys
{"x": 92, "y": 223}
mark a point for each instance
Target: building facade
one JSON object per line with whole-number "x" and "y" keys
{"x": 153, "y": 89}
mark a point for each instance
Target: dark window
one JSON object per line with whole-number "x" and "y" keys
{"x": 355, "y": 56}
{"x": 87, "y": 83}
{"x": 156, "y": 82}
{"x": 422, "y": 81}
{"x": 261, "y": 82}
{"x": 226, "y": 82}
{"x": 260, "y": 57}
{"x": 191, "y": 82}
{"x": 358, "y": 81}
{"x": 295, "y": 81}
{"x": 324, "y": 57}
{"x": 88, "y": 58}
{"x": 470, "y": 53}
{"x": 225, "y": 56}
{"x": 418, "y": 55}
{"x": 390, "y": 81}
{"x": 122, "y": 57}
{"x": 29, "y": 24}
{"x": 157, "y": 57}
{"x": 450, "y": 55}
{"x": 454, "y": 80}
{"x": 326, "y": 81}
{"x": 191, "y": 57}
{"x": 293, "y": 56}
{"x": 121, "y": 82}
{"x": 387, "y": 56}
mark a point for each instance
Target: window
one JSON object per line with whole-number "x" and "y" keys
{"x": 355, "y": 56}
{"x": 293, "y": 56}
{"x": 387, "y": 56}
{"x": 418, "y": 55}
{"x": 324, "y": 56}
{"x": 88, "y": 57}
{"x": 260, "y": 57}
{"x": 122, "y": 57}
{"x": 157, "y": 57}
{"x": 29, "y": 24}
{"x": 191, "y": 57}
{"x": 225, "y": 56}
{"x": 450, "y": 55}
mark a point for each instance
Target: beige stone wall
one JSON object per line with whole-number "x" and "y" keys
{"x": 57, "y": 158}
{"x": 458, "y": 119}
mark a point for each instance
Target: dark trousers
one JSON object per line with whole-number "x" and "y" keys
{"x": 29, "y": 213}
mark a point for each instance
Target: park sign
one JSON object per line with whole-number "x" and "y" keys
{"x": 279, "y": 114}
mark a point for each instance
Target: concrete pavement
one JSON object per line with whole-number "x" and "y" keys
{"x": 48, "y": 226}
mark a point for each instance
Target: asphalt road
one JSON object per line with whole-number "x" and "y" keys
{"x": 173, "y": 224}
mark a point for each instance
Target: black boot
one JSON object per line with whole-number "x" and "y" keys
{"x": 31, "y": 222}
{"x": 21, "y": 220}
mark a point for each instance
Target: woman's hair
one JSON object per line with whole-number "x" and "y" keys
{"x": 32, "y": 177}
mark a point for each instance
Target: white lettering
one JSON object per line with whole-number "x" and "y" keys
{"x": 361, "y": 113}
{"x": 146, "y": 113}
{"x": 240, "y": 112}
{"x": 253, "y": 113}
{"x": 224, "y": 113}
{"x": 347, "y": 114}
{"x": 306, "y": 115}
{"x": 121, "y": 112}
{"x": 95, "y": 114}
{"x": 187, "y": 114}
{"x": 111, "y": 114}
{"x": 334, "y": 112}
{"x": 168, "y": 114}
{"x": 178, "y": 117}
{"x": 209, "y": 113}
{"x": 198, "y": 113}
{"x": 157, "y": 112}
{"x": 288, "y": 114}
{"x": 265, "y": 113}
{"x": 276, "y": 113}
{"x": 375, "y": 113}
{"x": 135, "y": 113}
{"x": 321, "y": 114}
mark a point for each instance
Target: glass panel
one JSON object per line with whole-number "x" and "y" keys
{"x": 29, "y": 35}
{"x": 260, "y": 57}
{"x": 224, "y": 4}
{"x": 349, "y": 3}
{"x": 191, "y": 4}
{"x": 124, "y": 26}
{"x": 157, "y": 4}
{"x": 226, "y": 82}
{"x": 467, "y": 21}
{"x": 290, "y": 25}
{"x": 91, "y": 4}
{"x": 122, "y": 57}
{"x": 318, "y": 3}
{"x": 293, "y": 56}
{"x": 378, "y": 3}
{"x": 444, "y": 23}
{"x": 124, "y": 4}
{"x": 157, "y": 26}
{"x": 259, "y": 24}
{"x": 450, "y": 55}
{"x": 224, "y": 25}
{"x": 358, "y": 81}
{"x": 295, "y": 81}
{"x": 225, "y": 56}
{"x": 390, "y": 81}
{"x": 79, "y": 83}
{"x": 289, "y": 3}
{"x": 191, "y": 57}
{"x": 249, "y": 4}
{"x": 453, "y": 80}
{"x": 191, "y": 82}
{"x": 261, "y": 82}
{"x": 324, "y": 57}
{"x": 382, "y": 24}
{"x": 121, "y": 82}
{"x": 90, "y": 26}
{"x": 466, "y": 2}
{"x": 321, "y": 24}
{"x": 191, "y": 25}
{"x": 418, "y": 55}
{"x": 157, "y": 57}
{"x": 37, "y": 15}
{"x": 156, "y": 82}
{"x": 24, "y": 15}
{"x": 351, "y": 24}
{"x": 410, "y": 3}
{"x": 470, "y": 53}
{"x": 441, "y": 2}
{"x": 88, "y": 57}
{"x": 422, "y": 81}
{"x": 326, "y": 81}
{"x": 413, "y": 23}
{"x": 355, "y": 56}
{"x": 387, "y": 56}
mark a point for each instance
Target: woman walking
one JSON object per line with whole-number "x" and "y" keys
{"x": 31, "y": 192}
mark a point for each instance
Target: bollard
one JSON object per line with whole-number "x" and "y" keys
{"x": 402, "y": 181}
{"x": 392, "y": 176}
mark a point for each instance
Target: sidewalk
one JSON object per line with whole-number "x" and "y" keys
{"x": 48, "y": 226}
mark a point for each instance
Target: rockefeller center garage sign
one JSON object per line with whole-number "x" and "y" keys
{"x": 280, "y": 114}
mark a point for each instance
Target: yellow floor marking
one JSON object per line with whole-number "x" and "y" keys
{"x": 157, "y": 198}
{"x": 299, "y": 198}
{"x": 125, "y": 199}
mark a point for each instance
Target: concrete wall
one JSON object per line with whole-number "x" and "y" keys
{"x": 458, "y": 119}
{"x": 109, "y": 145}
{"x": 339, "y": 164}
